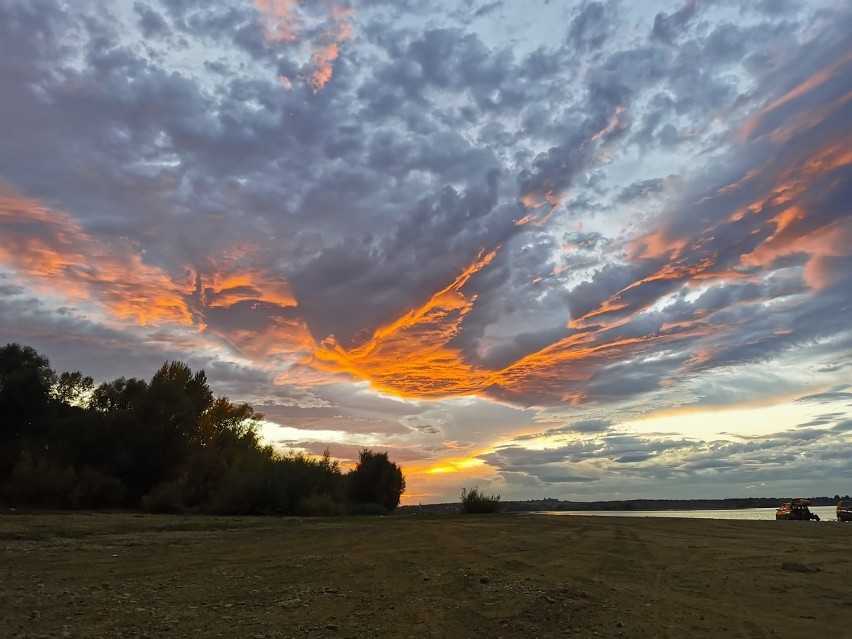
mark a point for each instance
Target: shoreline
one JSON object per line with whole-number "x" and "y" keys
{"x": 531, "y": 505}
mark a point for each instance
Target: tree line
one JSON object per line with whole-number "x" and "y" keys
{"x": 164, "y": 445}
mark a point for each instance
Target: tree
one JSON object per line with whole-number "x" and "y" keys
{"x": 224, "y": 434}
{"x": 164, "y": 445}
{"x": 171, "y": 409}
{"x": 119, "y": 394}
{"x": 26, "y": 379}
{"x": 376, "y": 480}
{"x": 176, "y": 398}
{"x": 73, "y": 388}
{"x": 222, "y": 419}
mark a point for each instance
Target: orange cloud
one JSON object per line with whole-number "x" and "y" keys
{"x": 282, "y": 21}
{"x": 272, "y": 338}
{"x": 790, "y": 234}
{"x": 322, "y": 59}
{"x": 614, "y": 122}
{"x": 225, "y": 289}
{"x": 279, "y": 19}
{"x": 279, "y": 341}
{"x": 753, "y": 123}
{"x": 328, "y": 50}
{"x": 50, "y": 250}
{"x": 410, "y": 356}
{"x": 793, "y": 231}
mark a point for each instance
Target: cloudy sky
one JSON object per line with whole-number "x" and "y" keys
{"x": 552, "y": 248}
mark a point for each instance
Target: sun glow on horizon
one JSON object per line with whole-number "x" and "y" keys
{"x": 722, "y": 421}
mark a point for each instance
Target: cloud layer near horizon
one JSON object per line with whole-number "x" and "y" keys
{"x": 435, "y": 230}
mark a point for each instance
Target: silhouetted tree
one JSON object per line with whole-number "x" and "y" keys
{"x": 164, "y": 445}
{"x": 223, "y": 433}
{"x": 119, "y": 394}
{"x": 26, "y": 379}
{"x": 25, "y": 382}
{"x": 73, "y": 388}
{"x": 376, "y": 480}
{"x": 176, "y": 398}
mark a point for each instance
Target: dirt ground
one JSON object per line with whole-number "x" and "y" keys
{"x": 144, "y": 576}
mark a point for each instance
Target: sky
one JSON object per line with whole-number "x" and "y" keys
{"x": 569, "y": 249}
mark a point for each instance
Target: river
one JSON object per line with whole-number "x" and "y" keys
{"x": 826, "y": 513}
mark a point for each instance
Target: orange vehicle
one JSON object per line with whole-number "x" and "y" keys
{"x": 844, "y": 512}
{"x": 796, "y": 510}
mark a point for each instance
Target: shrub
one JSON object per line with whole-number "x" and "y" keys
{"x": 40, "y": 481}
{"x": 475, "y": 501}
{"x": 96, "y": 489}
{"x": 164, "y": 498}
{"x": 319, "y": 505}
{"x": 368, "y": 509}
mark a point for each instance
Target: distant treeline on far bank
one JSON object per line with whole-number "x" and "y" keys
{"x": 550, "y": 504}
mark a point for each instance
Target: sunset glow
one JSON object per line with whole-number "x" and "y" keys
{"x": 618, "y": 260}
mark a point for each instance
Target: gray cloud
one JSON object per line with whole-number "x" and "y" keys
{"x": 656, "y": 244}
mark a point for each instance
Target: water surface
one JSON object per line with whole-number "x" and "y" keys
{"x": 826, "y": 513}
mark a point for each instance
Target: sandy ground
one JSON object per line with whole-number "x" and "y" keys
{"x": 135, "y": 576}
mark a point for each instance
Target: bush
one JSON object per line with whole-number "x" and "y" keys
{"x": 475, "y": 501}
{"x": 40, "y": 481}
{"x": 96, "y": 489}
{"x": 164, "y": 498}
{"x": 319, "y": 505}
{"x": 368, "y": 509}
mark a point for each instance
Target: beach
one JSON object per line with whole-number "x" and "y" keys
{"x": 512, "y": 575}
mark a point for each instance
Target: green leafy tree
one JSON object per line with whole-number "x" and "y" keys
{"x": 376, "y": 480}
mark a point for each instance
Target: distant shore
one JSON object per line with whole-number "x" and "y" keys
{"x": 534, "y": 505}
